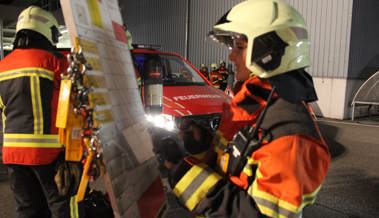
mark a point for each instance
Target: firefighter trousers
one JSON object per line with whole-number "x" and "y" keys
{"x": 36, "y": 193}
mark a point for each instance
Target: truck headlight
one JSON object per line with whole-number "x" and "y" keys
{"x": 164, "y": 121}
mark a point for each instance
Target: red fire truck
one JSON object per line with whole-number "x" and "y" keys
{"x": 186, "y": 92}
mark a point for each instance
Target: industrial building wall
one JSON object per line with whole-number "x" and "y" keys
{"x": 364, "y": 48}
{"x": 164, "y": 22}
{"x": 203, "y": 15}
{"x": 329, "y": 31}
{"x": 157, "y": 22}
{"x": 329, "y": 27}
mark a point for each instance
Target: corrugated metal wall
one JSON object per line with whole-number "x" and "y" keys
{"x": 203, "y": 15}
{"x": 329, "y": 24}
{"x": 364, "y": 48}
{"x": 329, "y": 30}
{"x": 161, "y": 22}
{"x": 164, "y": 21}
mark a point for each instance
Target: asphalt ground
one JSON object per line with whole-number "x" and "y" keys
{"x": 351, "y": 189}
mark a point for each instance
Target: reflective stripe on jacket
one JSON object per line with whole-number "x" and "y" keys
{"x": 194, "y": 185}
{"x": 29, "y": 87}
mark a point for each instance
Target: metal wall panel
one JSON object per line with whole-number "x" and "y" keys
{"x": 329, "y": 25}
{"x": 364, "y": 48}
{"x": 329, "y": 31}
{"x": 164, "y": 22}
{"x": 203, "y": 15}
{"x": 160, "y": 22}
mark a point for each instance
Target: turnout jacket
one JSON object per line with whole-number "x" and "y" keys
{"x": 29, "y": 87}
{"x": 280, "y": 178}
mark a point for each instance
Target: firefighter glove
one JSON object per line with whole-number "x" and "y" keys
{"x": 67, "y": 177}
{"x": 196, "y": 138}
{"x": 169, "y": 149}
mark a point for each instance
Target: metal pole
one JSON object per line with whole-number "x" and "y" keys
{"x": 187, "y": 30}
{"x": 1, "y": 40}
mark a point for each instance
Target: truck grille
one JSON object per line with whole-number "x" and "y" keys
{"x": 211, "y": 121}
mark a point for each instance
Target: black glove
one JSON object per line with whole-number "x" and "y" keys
{"x": 196, "y": 138}
{"x": 169, "y": 149}
{"x": 67, "y": 177}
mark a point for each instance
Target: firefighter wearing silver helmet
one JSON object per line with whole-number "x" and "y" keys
{"x": 279, "y": 171}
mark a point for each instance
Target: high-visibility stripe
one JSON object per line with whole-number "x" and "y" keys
{"x": 34, "y": 17}
{"x": 273, "y": 210}
{"x": 30, "y": 136}
{"x": 2, "y": 106}
{"x": 274, "y": 207}
{"x": 36, "y": 104}
{"x": 1, "y": 103}
{"x": 271, "y": 198}
{"x": 248, "y": 169}
{"x": 195, "y": 184}
{"x": 39, "y": 106}
{"x": 73, "y": 207}
{"x": 311, "y": 198}
{"x": 31, "y": 141}
{"x": 30, "y": 71}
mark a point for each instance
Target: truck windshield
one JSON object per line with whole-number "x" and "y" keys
{"x": 175, "y": 71}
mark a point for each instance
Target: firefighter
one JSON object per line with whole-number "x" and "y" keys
{"x": 224, "y": 75}
{"x": 204, "y": 70}
{"x": 289, "y": 158}
{"x": 29, "y": 87}
{"x": 214, "y": 76}
{"x": 129, "y": 38}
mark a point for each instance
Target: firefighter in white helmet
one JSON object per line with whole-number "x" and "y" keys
{"x": 270, "y": 156}
{"x": 29, "y": 87}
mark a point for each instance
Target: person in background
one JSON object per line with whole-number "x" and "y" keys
{"x": 129, "y": 38}
{"x": 267, "y": 158}
{"x": 224, "y": 75}
{"x": 204, "y": 70}
{"x": 29, "y": 87}
{"x": 214, "y": 76}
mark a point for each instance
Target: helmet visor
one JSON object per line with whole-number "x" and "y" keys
{"x": 225, "y": 37}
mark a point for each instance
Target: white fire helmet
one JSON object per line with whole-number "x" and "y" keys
{"x": 276, "y": 34}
